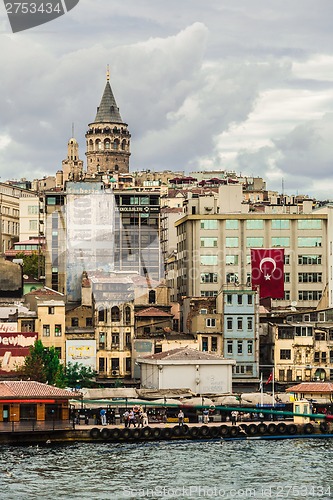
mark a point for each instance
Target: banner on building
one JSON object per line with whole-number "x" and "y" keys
{"x": 14, "y": 346}
{"x": 268, "y": 272}
{"x": 82, "y": 352}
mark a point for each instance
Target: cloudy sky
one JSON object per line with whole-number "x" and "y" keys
{"x": 243, "y": 85}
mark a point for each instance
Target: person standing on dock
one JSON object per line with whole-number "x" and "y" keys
{"x": 234, "y": 416}
{"x": 103, "y": 416}
{"x": 180, "y": 417}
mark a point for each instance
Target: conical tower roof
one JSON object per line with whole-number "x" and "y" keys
{"x": 108, "y": 111}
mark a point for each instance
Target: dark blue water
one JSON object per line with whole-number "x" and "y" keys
{"x": 296, "y": 469}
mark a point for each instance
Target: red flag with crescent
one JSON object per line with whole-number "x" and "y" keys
{"x": 268, "y": 272}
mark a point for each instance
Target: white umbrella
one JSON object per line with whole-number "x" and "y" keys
{"x": 198, "y": 401}
{"x": 256, "y": 398}
{"x": 164, "y": 401}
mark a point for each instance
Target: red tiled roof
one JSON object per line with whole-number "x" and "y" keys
{"x": 31, "y": 389}
{"x": 314, "y": 387}
{"x": 45, "y": 291}
{"x": 153, "y": 312}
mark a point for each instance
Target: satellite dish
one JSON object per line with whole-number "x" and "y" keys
{"x": 293, "y": 303}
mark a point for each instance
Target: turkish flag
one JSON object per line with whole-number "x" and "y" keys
{"x": 268, "y": 272}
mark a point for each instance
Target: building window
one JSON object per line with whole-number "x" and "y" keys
{"x": 208, "y": 278}
{"x": 127, "y": 315}
{"x": 231, "y": 242}
{"x": 280, "y": 224}
{"x": 249, "y": 300}
{"x": 102, "y": 365}
{"x": 231, "y": 224}
{"x": 89, "y": 322}
{"x": 115, "y": 313}
{"x": 231, "y": 260}
{"x": 323, "y": 357}
{"x": 57, "y": 330}
{"x": 309, "y": 224}
{"x": 128, "y": 364}
{"x": 239, "y": 347}
{"x": 75, "y": 321}
{"x": 240, "y": 300}
{"x": 101, "y": 340}
{"x": 309, "y": 260}
{"x": 115, "y": 365}
{"x": 210, "y": 322}
{"x": 208, "y": 260}
{"x": 33, "y": 225}
{"x": 310, "y": 277}
{"x": 208, "y": 224}
{"x": 58, "y": 351}
{"x": 229, "y": 346}
{"x": 250, "y": 346}
{"x": 250, "y": 323}
{"x": 208, "y": 242}
{"x": 315, "y": 241}
{"x": 287, "y": 259}
{"x": 46, "y": 330}
{"x": 229, "y": 299}
{"x": 254, "y": 242}
{"x": 32, "y": 209}
{"x": 254, "y": 224}
{"x": 208, "y": 293}
{"x": 281, "y": 242}
{"x": 214, "y": 344}
{"x": 51, "y": 310}
{"x": 309, "y": 295}
{"x": 285, "y": 353}
{"x": 229, "y": 323}
{"x": 287, "y": 277}
{"x": 239, "y": 323}
{"x": 115, "y": 339}
{"x": 102, "y": 315}
{"x": 152, "y": 297}
{"x": 205, "y": 344}
{"x": 316, "y": 357}
{"x": 232, "y": 278}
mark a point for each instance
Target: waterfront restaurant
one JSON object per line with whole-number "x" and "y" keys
{"x": 34, "y": 401}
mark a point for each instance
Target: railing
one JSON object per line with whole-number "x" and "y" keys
{"x": 36, "y": 426}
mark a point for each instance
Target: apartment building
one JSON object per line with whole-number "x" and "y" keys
{"x": 217, "y": 233}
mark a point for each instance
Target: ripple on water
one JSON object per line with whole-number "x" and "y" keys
{"x": 105, "y": 471}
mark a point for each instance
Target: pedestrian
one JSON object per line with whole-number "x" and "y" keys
{"x": 102, "y": 414}
{"x": 126, "y": 418}
{"x": 181, "y": 418}
{"x": 131, "y": 419}
{"x": 205, "y": 414}
{"x": 144, "y": 419}
{"x": 234, "y": 417}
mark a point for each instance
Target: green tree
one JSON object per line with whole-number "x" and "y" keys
{"x": 33, "y": 265}
{"x": 77, "y": 374}
{"x": 43, "y": 365}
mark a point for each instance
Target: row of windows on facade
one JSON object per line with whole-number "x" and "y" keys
{"x": 115, "y": 340}
{"x": 304, "y": 331}
{"x": 259, "y": 242}
{"x": 233, "y": 260}
{"x": 9, "y": 227}
{"x": 113, "y": 365}
{"x": 233, "y": 277}
{"x": 107, "y": 145}
{"x": 233, "y": 347}
{"x": 9, "y": 211}
{"x": 302, "y": 294}
{"x": 233, "y": 224}
{"x": 287, "y": 375}
{"x": 317, "y": 357}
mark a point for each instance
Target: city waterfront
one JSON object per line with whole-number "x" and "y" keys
{"x": 238, "y": 469}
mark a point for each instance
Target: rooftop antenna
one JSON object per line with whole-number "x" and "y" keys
{"x": 282, "y": 190}
{"x": 107, "y": 73}
{"x": 72, "y": 129}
